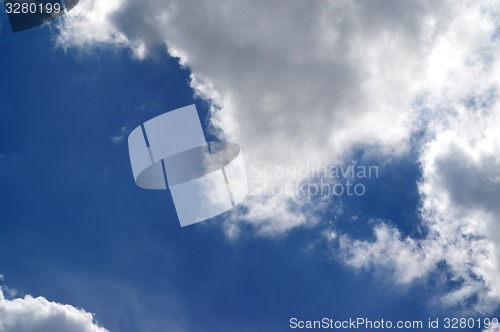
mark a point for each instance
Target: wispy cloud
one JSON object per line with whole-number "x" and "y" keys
{"x": 118, "y": 138}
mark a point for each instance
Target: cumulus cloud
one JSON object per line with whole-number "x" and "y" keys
{"x": 460, "y": 160}
{"x": 290, "y": 83}
{"x": 31, "y": 314}
{"x": 95, "y": 23}
{"x": 300, "y": 82}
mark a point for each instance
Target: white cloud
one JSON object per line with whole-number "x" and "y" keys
{"x": 460, "y": 193}
{"x": 390, "y": 252}
{"x": 460, "y": 160}
{"x": 307, "y": 81}
{"x": 92, "y": 23}
{"x": 31, "y": 314}
{"x": 290, "y": 83}
{"x": 118, "y": 138}
{"x": 493, "y": 328}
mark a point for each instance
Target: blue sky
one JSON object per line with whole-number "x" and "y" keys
{"x": 75, "y": 229}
